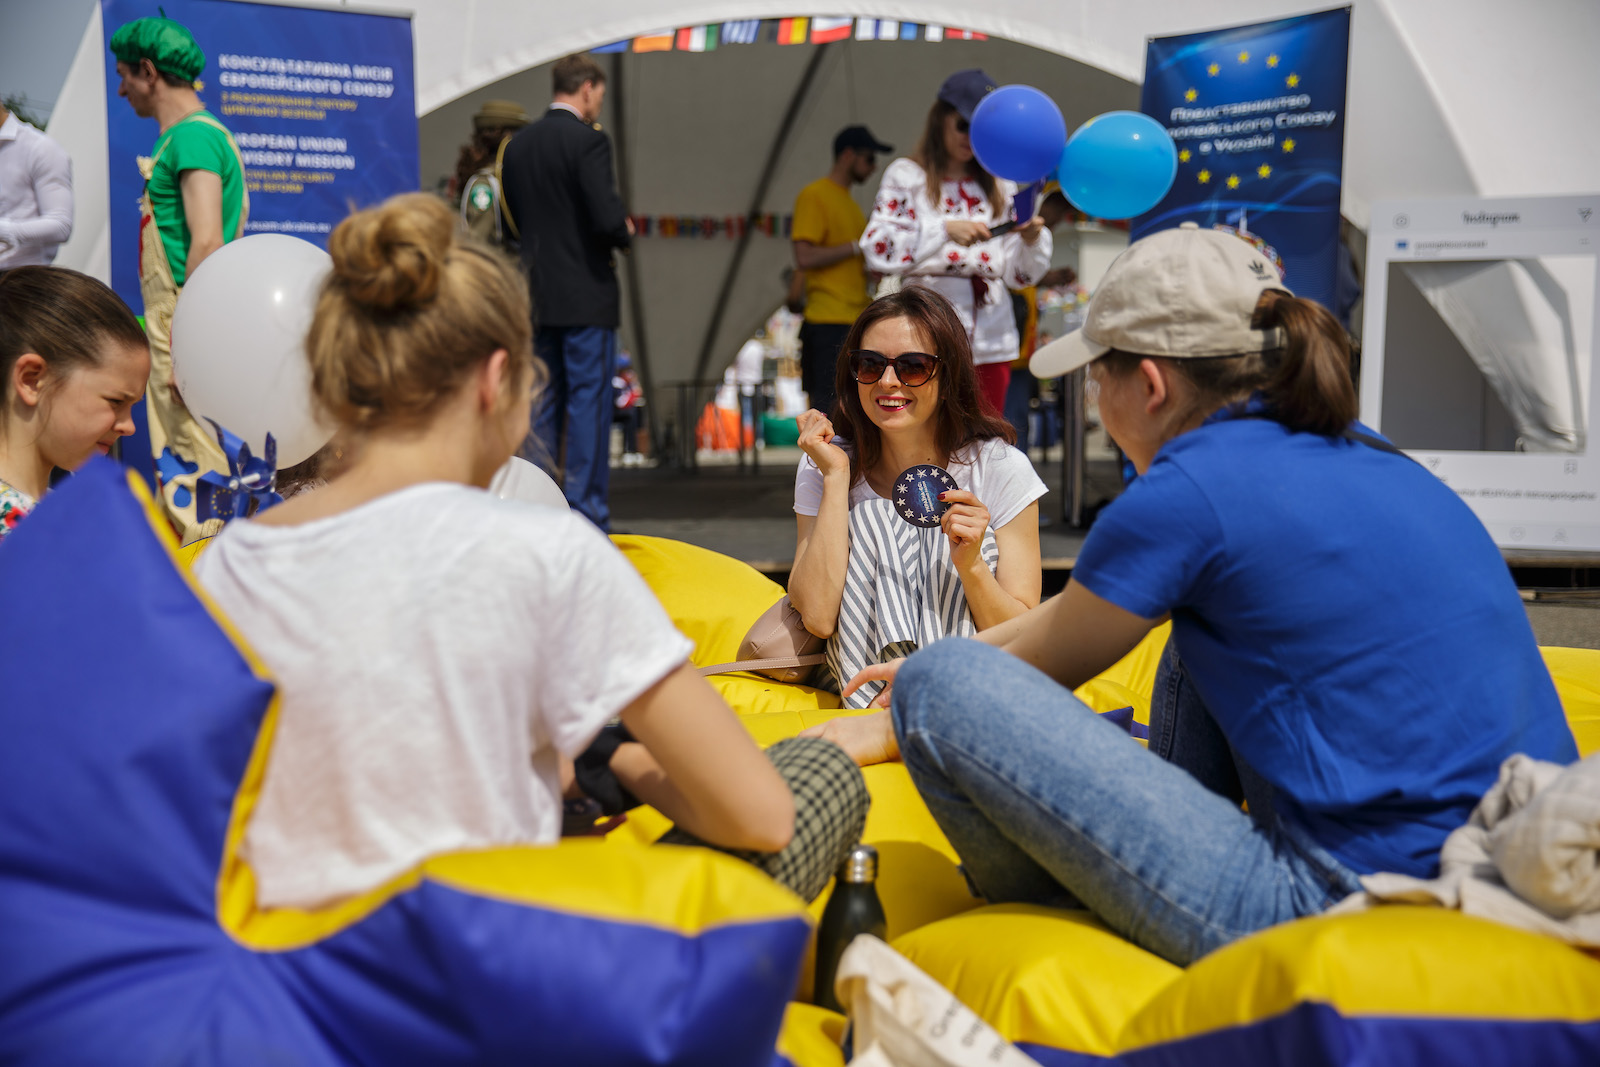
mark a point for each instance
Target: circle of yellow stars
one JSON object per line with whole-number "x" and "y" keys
{"x": 1192, "y": 94}
{"x": 1212, "y": 70}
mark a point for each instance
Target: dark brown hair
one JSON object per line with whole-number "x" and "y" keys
{"x": 477, "y": 154}
{"x": 64, "y": 317}
{"x": 408, "y": 310}
{"x": 962, "y": 416}
{"x": 571, "y": 72}
{"x": 1306, "y": 383}
{"x": 933, "y": 158}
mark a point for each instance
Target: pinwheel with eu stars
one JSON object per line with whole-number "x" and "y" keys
{"x": 250, "y": 486}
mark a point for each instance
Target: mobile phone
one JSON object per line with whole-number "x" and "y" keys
{"x": 1002, "y": 228}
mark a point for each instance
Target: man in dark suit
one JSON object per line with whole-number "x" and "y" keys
{"x": 563, "y": 197}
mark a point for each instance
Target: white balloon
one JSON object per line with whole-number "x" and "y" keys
{"x": 520, "y": 480}
{"x": 238, "y": 342}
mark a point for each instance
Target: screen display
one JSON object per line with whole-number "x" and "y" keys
{"x": 1478, "y": 356}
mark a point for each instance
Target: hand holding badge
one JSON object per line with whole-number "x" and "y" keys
{"x": 916, "y": 494}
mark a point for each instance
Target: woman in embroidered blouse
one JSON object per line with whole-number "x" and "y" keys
{"x": 930, "y": 223}
{"x": 73, "y": 360}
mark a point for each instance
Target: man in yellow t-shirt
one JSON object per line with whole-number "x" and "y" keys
{"x": 827, "y": 225}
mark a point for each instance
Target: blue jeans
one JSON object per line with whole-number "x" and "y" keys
{"x": 1047, "y": 803}
{"x": 573, "y": 417}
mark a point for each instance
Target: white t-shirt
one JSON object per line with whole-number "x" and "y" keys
{"x": 434, "y": 650}
{"x": 993, "y": 471}
{"x": 748, "y": 366}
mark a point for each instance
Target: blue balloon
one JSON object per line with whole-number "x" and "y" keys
{"x": 1017, "y": 133}
{"x": 1118, "y": 165}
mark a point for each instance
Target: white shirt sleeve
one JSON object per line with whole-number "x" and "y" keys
{"x": 807, "y": 488}
{"x": 905, "y": 227}
{"x": 748, "y": 365}
{"x": 1010, "y": 483}
{"x": 1025, "y": 263}
{"x": 51, "y": 171}
{"x": 1021, "y": 264}
{"x": 608, "y": 641}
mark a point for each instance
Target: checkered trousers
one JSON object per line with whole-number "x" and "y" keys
{"x": 830, "y": 811}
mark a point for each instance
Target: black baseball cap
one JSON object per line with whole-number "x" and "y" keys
{"x": 965, "y": 88}
{"x": 858, "y": 137}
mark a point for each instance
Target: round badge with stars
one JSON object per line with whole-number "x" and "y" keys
{"x": 916, "y": 494}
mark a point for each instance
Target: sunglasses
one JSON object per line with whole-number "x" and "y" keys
{"x": 910, "y": 368}
{"x": 963, "y": 126}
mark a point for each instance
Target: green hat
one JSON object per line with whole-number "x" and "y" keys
{"x": 503, "y": 114}
{"x": 168, "y": 45}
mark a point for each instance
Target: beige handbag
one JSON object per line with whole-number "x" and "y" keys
{"x": 778, "y": 646}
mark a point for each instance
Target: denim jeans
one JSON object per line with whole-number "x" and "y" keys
{"x": 1047, "y": 803}
{"x": 573, "y": 417}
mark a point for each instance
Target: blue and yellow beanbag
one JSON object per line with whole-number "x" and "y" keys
{"x": 137, "y": 730}
{"x": 1397, "y": 985}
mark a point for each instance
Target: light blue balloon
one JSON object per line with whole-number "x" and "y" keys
{"x": 1017, "y": 133}
{"x": 1118, "y": 165}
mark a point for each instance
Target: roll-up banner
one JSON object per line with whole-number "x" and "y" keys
{"x": 1257, "y": 115}
{"x": 321, "y": 101}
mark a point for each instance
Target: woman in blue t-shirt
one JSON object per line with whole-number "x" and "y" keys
{"x": 1348, "y": 653}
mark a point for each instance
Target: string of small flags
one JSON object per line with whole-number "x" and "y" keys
{"x": 707, "y": 226}
{"x": 787, "y": 31}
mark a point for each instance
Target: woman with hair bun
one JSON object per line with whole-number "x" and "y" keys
{"x": 1349, "y": 654}
{"x": 441, "y": 654}
{"x": 74, "y": 361}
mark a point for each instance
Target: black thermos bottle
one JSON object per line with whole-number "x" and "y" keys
{"x": 853, "y": 909}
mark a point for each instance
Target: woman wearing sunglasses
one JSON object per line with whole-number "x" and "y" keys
{"x": 870, "y": 582}
{"x": 931, "y": 225}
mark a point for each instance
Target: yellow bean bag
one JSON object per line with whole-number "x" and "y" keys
{"x": 1045, "y": 978}
{"x": 1576, "y": 672}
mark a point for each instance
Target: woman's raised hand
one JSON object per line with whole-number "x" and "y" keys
{"x": 964, "y": 523}
{"x": 965, "y": 232}
{"x": 1031, "y": 229}
{"x": 816, "y": 441}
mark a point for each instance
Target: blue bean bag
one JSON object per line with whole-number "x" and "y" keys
{"x": 136, "y": 731}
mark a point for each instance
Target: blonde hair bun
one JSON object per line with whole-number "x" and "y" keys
{"x": 409, "y": 309}
{"x": 392, "y": 257}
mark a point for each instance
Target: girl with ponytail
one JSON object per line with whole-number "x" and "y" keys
{"x": 1348, "y": 655}
{"x": 442, "y": 655}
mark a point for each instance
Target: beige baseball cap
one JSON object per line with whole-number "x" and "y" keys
{"x": 1186, "y": 293}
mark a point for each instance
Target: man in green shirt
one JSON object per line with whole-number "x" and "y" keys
{"x": 195, "y": 201}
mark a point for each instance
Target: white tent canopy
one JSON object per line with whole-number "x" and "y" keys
{"x": 1446, "y": 98}
{"x": 696, "y": 135}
